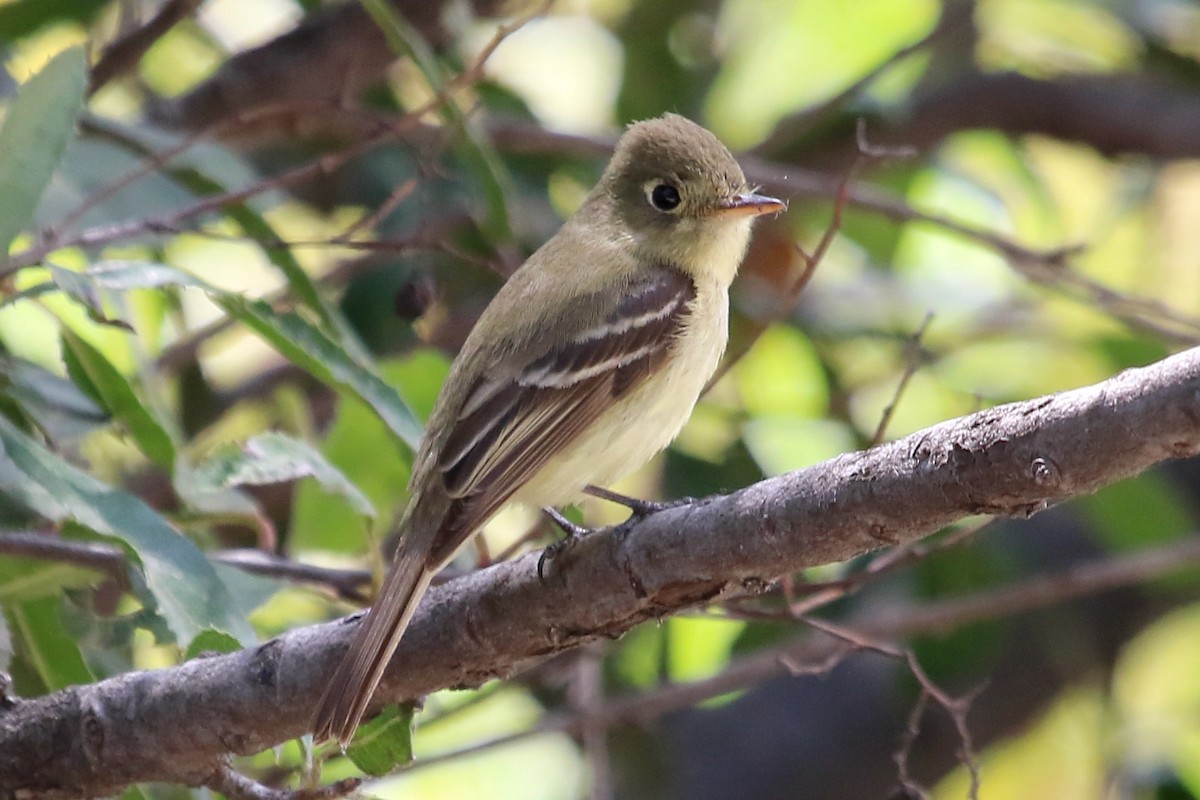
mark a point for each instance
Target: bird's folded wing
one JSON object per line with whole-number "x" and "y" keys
{"x": 511, "y": 424}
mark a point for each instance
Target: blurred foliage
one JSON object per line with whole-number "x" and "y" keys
{"x": 187, "y": 367}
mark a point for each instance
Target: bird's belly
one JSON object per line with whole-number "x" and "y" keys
{"x": 635, "y": 429}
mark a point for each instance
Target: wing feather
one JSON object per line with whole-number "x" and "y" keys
{"x": 512, "y": 424}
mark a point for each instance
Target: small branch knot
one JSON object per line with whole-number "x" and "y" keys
{"x": 1045, "y": 472}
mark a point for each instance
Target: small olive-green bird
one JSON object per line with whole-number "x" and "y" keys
{"x": 588, "y": 362}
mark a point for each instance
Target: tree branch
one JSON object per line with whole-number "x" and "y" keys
{"x": 333, "y": 53}
{"x": 1013, "y": 460}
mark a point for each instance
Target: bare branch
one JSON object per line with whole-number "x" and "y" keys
{"x": 810, "y": 656}
{"x": 348, "y": 583}
{"x": 236, "y": 786}
{"x": 1012, "y": 460}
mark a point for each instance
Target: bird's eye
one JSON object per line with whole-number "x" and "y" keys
{"x": 665, "y": 197}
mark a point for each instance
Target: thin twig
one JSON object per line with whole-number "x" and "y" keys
{"x": 49, "y": 547}
{"x": 912, "y": 363}
{"x": 792, "y": 294}
{"x": 911, "y": 731}
{"x": 369, "y": 221}
{"x": 54, "y": 239}
{"x": 124, "y": 54}
{"x": 957, "y": 708}
{"x": 112, "y": 561}
{"x": 818, "y": 595}
{"x": 236, "y": 786}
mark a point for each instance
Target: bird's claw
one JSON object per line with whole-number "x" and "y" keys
{"x": 553, "y": 551}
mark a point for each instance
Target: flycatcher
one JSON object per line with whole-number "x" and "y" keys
{"x": 588, "y": 362}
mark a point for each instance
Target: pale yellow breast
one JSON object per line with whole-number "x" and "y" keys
{"x": 645, "y": 421}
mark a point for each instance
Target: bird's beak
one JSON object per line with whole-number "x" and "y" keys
{"x": 749, "y": 204}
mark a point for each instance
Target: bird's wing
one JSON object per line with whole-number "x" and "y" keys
{"x": 512, "y": 423}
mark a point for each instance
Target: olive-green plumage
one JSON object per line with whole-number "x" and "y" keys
{"x": 587, "y": 362}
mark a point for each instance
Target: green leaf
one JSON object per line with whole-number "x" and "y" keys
{"x": 58, "y": 407}
{"x": 115, "y": 276}
{"x": 640, "y": 660}
{"x": 1139, "y": 511}
{"x": 23, "y": 579}
{"x": 782, "y": 375}
{"x": 385, "y": 742}
{"x": 699, "y": 647}
{"x": 180, "y": 583}
{"x": 300, "y": 282}
{"x": 257, "y": 227}
{"x": 276, "y": 458}
{"x": 211, "y": 641}
{"x": 22, "y": 17}
{"x": 46, "y": 645}
{"x": 125, "y": 275}
{"x": 95, "y": 373}
{"x": 358, "y": 443}
{"x": 249, "y": 591}
{"x": 135, "y": 793}
{"x": 83, "y": 291}
{"x": 36, "y": 130}
{"x": 199, "y": 493}
{"x": 311, "y": 349}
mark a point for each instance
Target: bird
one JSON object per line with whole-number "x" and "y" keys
{"x": 586, "y": 363}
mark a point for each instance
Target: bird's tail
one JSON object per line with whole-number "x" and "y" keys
{"x": 349, "y": 690}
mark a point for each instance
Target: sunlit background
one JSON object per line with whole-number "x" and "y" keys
{"x": 1120, "y": 714}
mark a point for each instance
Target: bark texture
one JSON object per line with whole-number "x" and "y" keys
{"x": 178, "y": 724}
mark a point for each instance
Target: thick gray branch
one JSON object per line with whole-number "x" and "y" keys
{"x": 176, "y": 724}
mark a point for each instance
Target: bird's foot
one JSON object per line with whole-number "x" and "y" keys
{"x": 639, "y": 509}
{"x": 550, "y": 552}
{"x": 569, "y": 528}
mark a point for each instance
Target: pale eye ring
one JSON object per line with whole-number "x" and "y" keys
{"x": 663, "y": 195}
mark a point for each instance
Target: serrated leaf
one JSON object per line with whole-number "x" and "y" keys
{"x": 307, "y": 346}
{"x": 385, "y": 742}
{"x": 57, "y": 406}
{"x": 116, "y": 395}
{"x": 34, "y": 136}
{"x": 180, "y": 583}
{"x": 276, "y": 458}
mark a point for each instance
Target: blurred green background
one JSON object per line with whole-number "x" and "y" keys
{"x": 1034, "y": 126}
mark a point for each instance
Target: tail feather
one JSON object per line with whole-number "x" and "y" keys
{"x": 348, "y": 692}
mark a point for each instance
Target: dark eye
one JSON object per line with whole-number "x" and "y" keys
{"x": 664, "y": 197}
